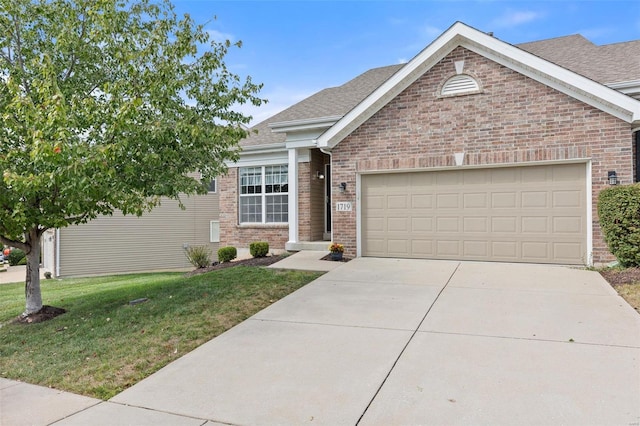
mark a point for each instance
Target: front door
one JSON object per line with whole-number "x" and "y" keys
{"x": 327, "y": 202}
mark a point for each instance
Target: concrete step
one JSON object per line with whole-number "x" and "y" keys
{"x": 308, "y": 245}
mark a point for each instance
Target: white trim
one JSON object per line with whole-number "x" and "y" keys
{"x": 478, "y": 166}
{"x": 589, "y": 224}
{"x": 293, "y": 196}
{"x": 272, "y": 158}
{"x": 358, "y": 215}
{"x": 57, "y": 273}
{"x": 304, "y": 124}
{"x": 568, "y": 82}
{"x": 212, "y": 227}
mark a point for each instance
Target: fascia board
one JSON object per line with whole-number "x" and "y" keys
{"x": 304, "y": 124}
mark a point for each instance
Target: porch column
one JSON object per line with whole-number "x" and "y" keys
{"x": 293, "y": 196}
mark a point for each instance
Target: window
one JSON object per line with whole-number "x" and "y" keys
{"x": 212, "y": 186}
{"x": 264, "y": 194}
{"x": 214, "y": 231}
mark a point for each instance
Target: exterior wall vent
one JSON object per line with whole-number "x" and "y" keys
{"x": 459, "y": 84}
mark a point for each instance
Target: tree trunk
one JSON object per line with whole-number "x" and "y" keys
{"x": 32, "y": 292}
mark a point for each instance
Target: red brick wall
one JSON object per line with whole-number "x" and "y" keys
{"x": 234, "y": 234}
{"x": 514, "y": 120}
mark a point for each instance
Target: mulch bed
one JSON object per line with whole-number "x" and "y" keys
{"x": 254, "y": 261}
{"x": 328, "y": 257}
{"x": 620, "y": 277}
{"x": 46, "y": 313}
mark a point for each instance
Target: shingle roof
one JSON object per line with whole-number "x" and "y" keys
{"x": 326, "y": 103}
{"x": 609, "y": 63}
{"x": 618, "y": 62}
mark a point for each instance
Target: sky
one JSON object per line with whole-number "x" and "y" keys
{"x": 296, "y": 48}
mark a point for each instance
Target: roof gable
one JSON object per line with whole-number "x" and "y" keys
{"x": 541, "y": 70}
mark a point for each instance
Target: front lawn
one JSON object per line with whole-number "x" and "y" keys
{"x": 104, "y": 344}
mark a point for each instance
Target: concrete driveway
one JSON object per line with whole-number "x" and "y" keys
{"x": 389, "y": 342}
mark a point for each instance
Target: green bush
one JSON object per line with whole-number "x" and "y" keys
{"x": 199, "y": 256}
{"x": 16, "y": 256}
{"x": 619, "y": 212}
{"x": 22, "y": 261}
{"x": 259, "y": 248}
{"x": 227, "y": 254}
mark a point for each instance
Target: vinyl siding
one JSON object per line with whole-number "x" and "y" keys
{"x": 120, "y": 244}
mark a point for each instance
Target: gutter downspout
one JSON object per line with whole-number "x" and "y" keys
{"x": 57, "y": 250}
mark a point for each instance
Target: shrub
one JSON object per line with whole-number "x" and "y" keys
{"x": 22, "y": 261}
{"x": 16, "y": 256}
{"x": 259, "y": 248}
{"x": 619, "y": 212}
{"x": 48, "y": 275}
{"x": 227, "y": 254}
{"x": 199, "y": 256}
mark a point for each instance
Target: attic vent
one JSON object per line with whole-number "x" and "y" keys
{"x": 460, "y": 84}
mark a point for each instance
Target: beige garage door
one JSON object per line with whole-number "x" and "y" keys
{"x": 513, "y": 214}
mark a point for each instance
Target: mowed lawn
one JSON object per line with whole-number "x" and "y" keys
{"x": 103, "y": 344}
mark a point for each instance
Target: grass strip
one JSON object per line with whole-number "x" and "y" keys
{"x": 103, "y": 344}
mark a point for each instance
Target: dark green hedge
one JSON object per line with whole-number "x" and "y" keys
{"x": 16, "y": 256}
{"x": 259, "y": 248}
{"x": 227, "y": 254}
{"x": 619, "y": 212}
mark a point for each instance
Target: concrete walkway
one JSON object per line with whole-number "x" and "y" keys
{"x": 387, "y": 341}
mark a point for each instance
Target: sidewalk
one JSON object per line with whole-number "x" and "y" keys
{"x": 16, "y": 274}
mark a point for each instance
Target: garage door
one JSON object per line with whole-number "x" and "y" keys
{"x": 513, "y": 214}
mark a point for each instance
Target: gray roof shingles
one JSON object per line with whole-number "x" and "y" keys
{"x": 609, "y": 63}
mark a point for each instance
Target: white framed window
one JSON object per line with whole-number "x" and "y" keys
{"x": 212, "y": 186}
{"x": 264, "y": 194}
{"x": 214, "y": 231}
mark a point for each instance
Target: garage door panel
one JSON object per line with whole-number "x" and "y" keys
{"x": 475, "y": 224}
{"x": 570, "y": 224}
{"x": 535, "y": 224}
{"x": 518, "y": 214}
{"x": 475, "y": 249}
{"x": 475, "y": 200}
{"x": 533, "y": 199}
{"x": 422, "y": 248}
{"x": 448, "y": 248}
{"x": 421, "y": 224}
{"x": 448, "y": 201}
{"x": 398, "y": 224}
{"x": 567, "y": 198}
{"x": 422, "y": 201}
{"x": 507, "y": 250}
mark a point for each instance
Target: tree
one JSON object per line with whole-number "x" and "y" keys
{"x": 105, "y": 105}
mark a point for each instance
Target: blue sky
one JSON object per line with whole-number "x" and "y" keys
{"x": 299, "y": 47}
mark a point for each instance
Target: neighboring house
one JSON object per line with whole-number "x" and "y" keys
{"x": 476, "y": 149}
{"x": 118, "y": 243}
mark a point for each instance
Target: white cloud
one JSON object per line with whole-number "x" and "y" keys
{"x": 219, "y": 36}
{"x": 430, "y": 32}
{"x": 513, "y": 18}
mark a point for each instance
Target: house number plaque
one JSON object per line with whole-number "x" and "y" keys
{"x": 343, "y": 206}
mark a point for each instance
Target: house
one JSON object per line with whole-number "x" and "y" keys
{"x": 118, "y": 243}
{"x": 476, "y": 149}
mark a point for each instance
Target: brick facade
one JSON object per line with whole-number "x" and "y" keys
{"x": 234, "y": 234}
{"x": 513, "y": 120}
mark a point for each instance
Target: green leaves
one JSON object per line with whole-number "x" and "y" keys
{"x": 108, "y": 105}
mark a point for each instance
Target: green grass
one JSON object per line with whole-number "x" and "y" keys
{"x": 103, "y": 345}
